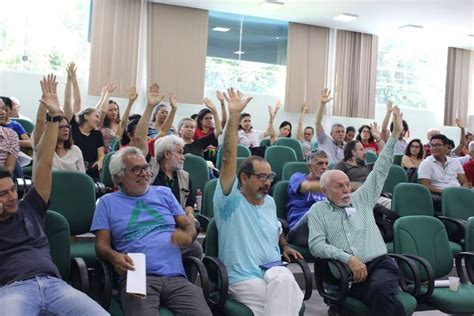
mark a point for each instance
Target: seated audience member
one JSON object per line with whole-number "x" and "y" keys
{"x": 439, "y": 171}
{"x": 249, "y": 231}
{"x": 208, "y": 131}
{"x": 429, "y": 133}
{"x": 128, "y": 135}
{"x": 146, "y": 219}
{"x": 332, "y": 146}
{"x": 467, "y": 141}
{"x": 30, "y": 283}
{"x": 303, "y": 192}
{"x": 9, "y": 144}
{"x": 158, "y": 118}
{"x": 457, "y": 151}
{"x": 197, "y": 147}
{"x": 413, "y": 154}
{"x": 469, "y": 165}
{"x": 285, "y": 129}
{"x": 306, "y": 136}
{"x": 370, "y": 138}
{"x": 401, "y": 143}
{"x": 22, "y": 135}
{"x": 350, "y": 134}
{"x": 343, "y": 228}
{"x": 16, "y": 109}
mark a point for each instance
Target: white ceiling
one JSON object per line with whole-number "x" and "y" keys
{"x": 446, "y": 21}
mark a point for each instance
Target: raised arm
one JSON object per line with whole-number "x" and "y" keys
{"x": 132, "y": 96}
{"x": 299, "y": 132}
{"x": 45, "y": 149}
{"x": 75, "y": 89}
{"x": 385, "y": 131}
{"x": 220, "y": 97}
{"x": 236, "y": 104}
{"x": 324, "y": 98}
{"x": 40, "y": 123}
{"x": 153, "y": 98}
{"x": 377, "y": 136}
{"x": 272, "y": 112}
{"x": 165, "y": 128}
{"x": 462, "y": 140}
{"x": 217, "y": 127}
{"x": 103, "y": 103}
{"x": 68, "y": 110}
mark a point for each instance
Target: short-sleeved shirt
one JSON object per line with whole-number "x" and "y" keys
{"x": 9, "y": 144}
{"x": 24, "y": 248}
{"x": 372, "y": 146}
{"x": 173, "y": 184}
{"x": 308, "y": 147}
{"x": 300, "y": 203}
{"x": 143, "y": 224}
{"x": 73, "y": 160}
{"x": 204, "y": 147}
{"x": 441, "y": 177}
{"x": 355, "y": 173}
{"x": 469, "y": 170}
{"x": 248, "y": 234}
{"x": 250, "y": 139}
{"x": 400, "y": 146}
{"x": 88, "y": 144}
{"x": 17, "y": 127}
{"x": 199, "y": 133}
{"x": 108, "y": 136}
{"x": 335, "y": 152}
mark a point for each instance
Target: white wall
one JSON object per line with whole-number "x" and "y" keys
{"x": 25, "y": 86}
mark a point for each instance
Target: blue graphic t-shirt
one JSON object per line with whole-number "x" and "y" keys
{"x": 143, "y": 224}
{"x": 298, "y": 204}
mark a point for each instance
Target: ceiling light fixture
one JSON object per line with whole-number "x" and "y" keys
{"x": 410, "y": 26}
{"x": 221, "y": 29}
{"x": 471, "y": 35}
{"x": 271, "y": 5}
{"x": 239, "y": 52}
{"x": 346, "y": 17}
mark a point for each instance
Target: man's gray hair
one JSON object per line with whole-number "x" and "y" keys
{"x": 318, "y": 154}
{"x": 167, "y": 143}
{"x": 471, "y": 146}
{"x": 326, "y": 177}
{"x": 335, "y": 125}
{"x": 117, "y": 164}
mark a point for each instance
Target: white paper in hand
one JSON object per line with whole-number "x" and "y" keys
{"x": 136, "y": 280}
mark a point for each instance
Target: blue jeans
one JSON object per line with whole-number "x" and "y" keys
{"x": 46, "y": 295}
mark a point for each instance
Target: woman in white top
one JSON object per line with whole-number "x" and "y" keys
{"x": 250, "y": 137}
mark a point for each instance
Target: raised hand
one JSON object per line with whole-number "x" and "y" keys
{"x": 154, "y": 97}
{"x": 220, "y": 96}
{"x": 49, "y": 97}
{"x": 172, "y": 98}
{"x": 305, "y": 107}
{"x": 71, "y": 69}
{"x": 325, "y": 96}
{"x": 389, "y": 106}
{"x": 236, "y": 101}
{"x": 397, "y": 122}
{"x": 208, "y": 103}
{"x": 374, "y": 130}
{"x": 132, "y": 94}
{"x": 459, "y": 123}
{"x": 111, "y": 87}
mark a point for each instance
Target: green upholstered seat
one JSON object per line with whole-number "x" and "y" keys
{"x": 242, "y": 151}
{"x": 293, "y": 166}
{"x": 397, "y": 160}
{"x": 198, "y": 171}
{"x": 457, "y": 202}
{"x": 277, "y": 156}
{"x": 370, "y": 157}
{"x": 396, "y": 175}
{"x": 293, "y": 144}
{"x": 265, "y": 142}
{"x": 116, "y": 310}
{"x": 359, "y": 308}
{"x": 28, "y": 125}
{"x": 105, "y": 176}
{"x": 57, "y": 232}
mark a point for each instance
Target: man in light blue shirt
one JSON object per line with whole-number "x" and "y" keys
{"x": 249, "y": 232}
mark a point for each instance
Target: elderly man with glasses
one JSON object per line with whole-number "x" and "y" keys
{"x": 250, "y": 235}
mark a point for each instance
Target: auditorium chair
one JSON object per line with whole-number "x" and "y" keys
{"x": 291, "y": 167}
{"x": 293, "y": 144}
{"x": 277, "y": 156}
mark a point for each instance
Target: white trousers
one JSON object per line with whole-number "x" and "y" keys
{"x": 277, "y": 293}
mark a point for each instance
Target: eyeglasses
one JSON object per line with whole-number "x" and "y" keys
{"x": 137, "y": 170}
{"x": 64, "y": 126}
{"x": 264, "y": 177}
{"x": 436, "y": 145}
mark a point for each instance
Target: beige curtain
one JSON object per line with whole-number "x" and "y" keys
{"x": 114, "y": 44}
{"x": 457, "y": 85}
{"x": 177, "y": 49}
{"x": 355, "y": 74}
{"x": 306, "y": 66}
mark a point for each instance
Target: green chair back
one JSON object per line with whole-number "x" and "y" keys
{"x": 396, "y": 175}
{"x": 412, "y": 199}
{"x": 116, "y": 145}
{"x": 457, "y": 202}
{"x": 198, "y": 171}
{"x": 280, "y": 196}
{"x": 28, "y": 125}
{"x": 294, "y": 166}
{"x": 397, "y": 160}
{"x": 58, "y": 234}
{"x": 470, "y": 235}
{"x": 105, "y": 176}
{"x": 265, "y": 142}
{"x": 424, "y": 236}
{"x": 292, "y": 143}
{"x": 242, "y": 151}
{"x": 73, "y": 196}
{"x": 239, "y": 162}
{"x": 277, "y": 156}
{"x": 207, "y": 208}
{"x": 370, "y": 157}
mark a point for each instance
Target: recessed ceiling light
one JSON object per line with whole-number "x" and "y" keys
{"x": 221, "y": 29}
{"x": 271, "y": 5}
{"x": 346, "y": 17}
{"x": 278, "y": 37}
{"x": 471, "y": 35}
{"x": 239, "y": 52}
{"x": 410, "y": 26}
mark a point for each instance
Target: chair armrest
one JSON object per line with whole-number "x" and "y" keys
{"x": 468, "y": 258}
{"x": 103, "y": 283}
{"x": 284, "y": 226}
{"x": 308, "y": 278}
{"x": 400, "y": 259}
{"x": 460, "y": 227}
{"x": 79, "y": 276}
{"x": 321, "y": 269}
{"x": 203, "y": 221}
{"x": 429, "y": 273}
{"x": 193, "y": 262}
{"x": 222, "y": 281}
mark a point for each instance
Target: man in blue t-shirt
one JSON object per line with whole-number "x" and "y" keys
{"x": 146, "y": 219}
{"x": 303, "y": 192}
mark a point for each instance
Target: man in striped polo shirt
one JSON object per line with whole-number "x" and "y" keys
{"x": 343, "y": 228}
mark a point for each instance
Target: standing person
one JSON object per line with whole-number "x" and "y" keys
{"x": 306, "y": 136}
{"x": 249, "y": 231}
{"x": 343, "y": 228}
{"x": 370, "y": 138}
{"x": 30, "y": 283}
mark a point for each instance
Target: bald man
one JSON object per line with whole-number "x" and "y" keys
{"x": 343, "y": 228}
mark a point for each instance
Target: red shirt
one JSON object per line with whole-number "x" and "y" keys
{"x": 427, "y": 149}
{"x": 371, "y": 147}
{"x": 198, "y": 133}
{"x": 469, "y": 170}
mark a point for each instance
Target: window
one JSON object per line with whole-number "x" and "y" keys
{"x": 412, "y": 72}
{"x": 43, "y": 36}
{"x": 248, "y": 53}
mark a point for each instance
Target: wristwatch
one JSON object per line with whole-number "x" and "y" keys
{"x": 50, "y": 118}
